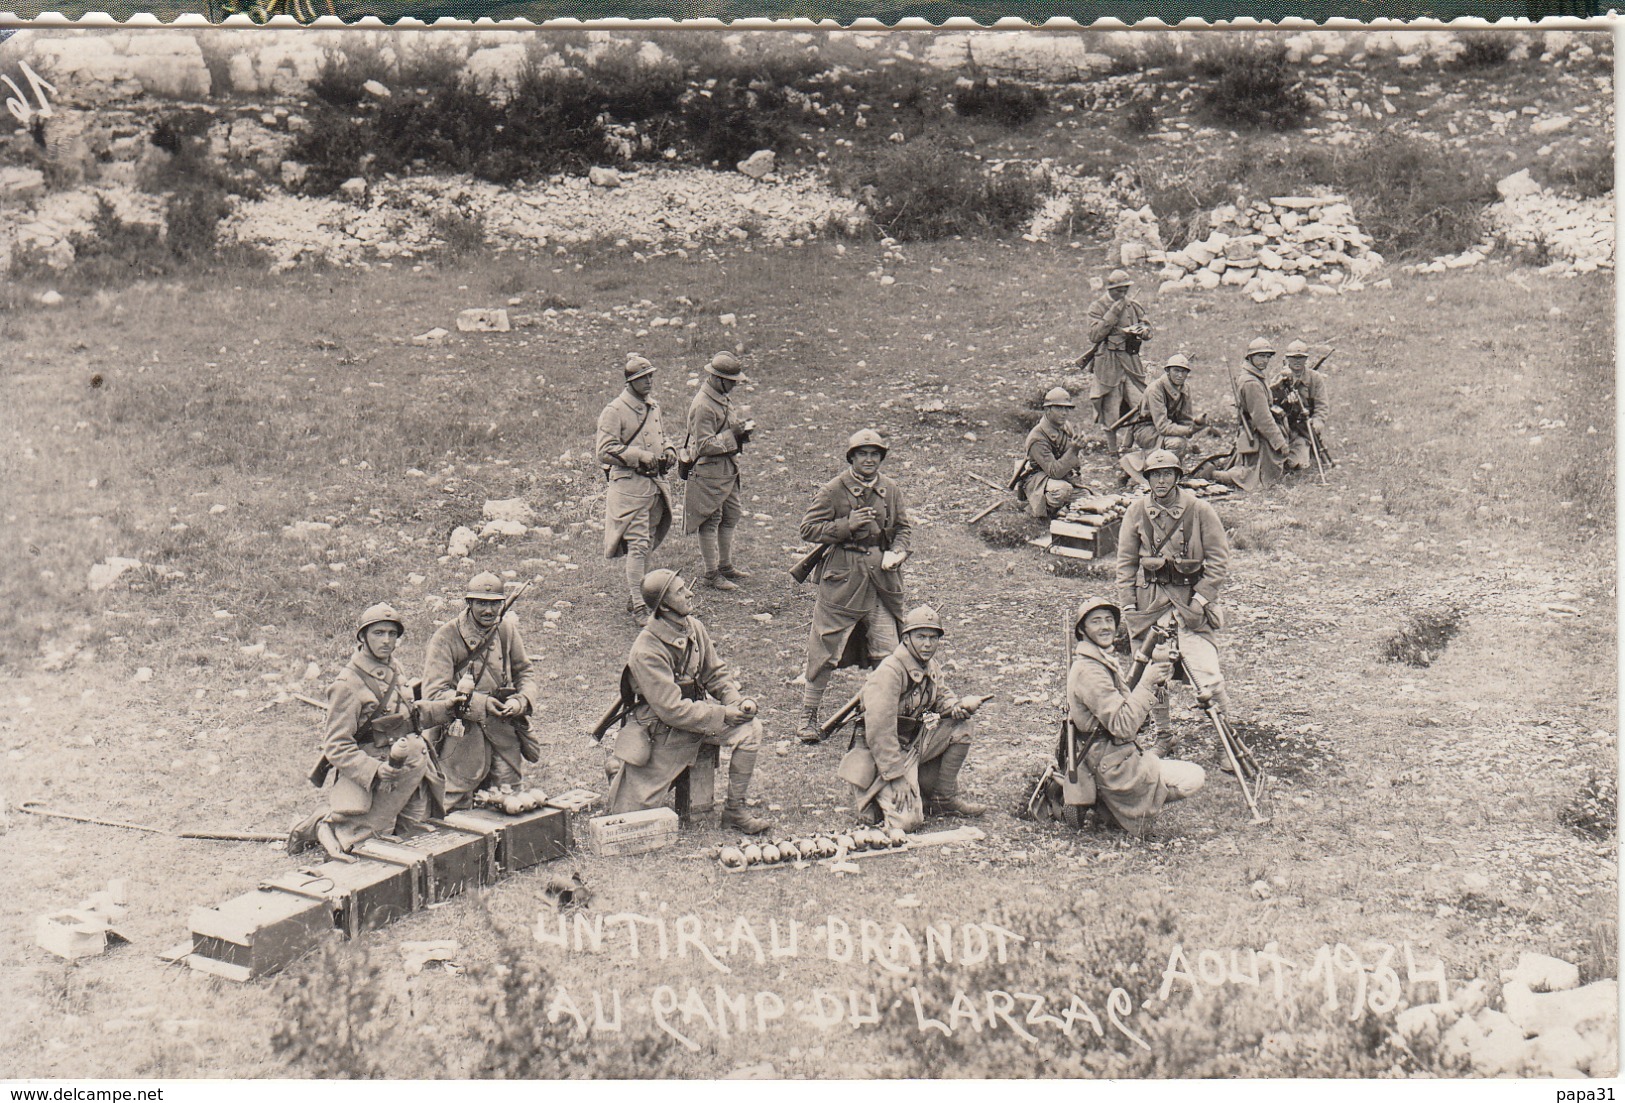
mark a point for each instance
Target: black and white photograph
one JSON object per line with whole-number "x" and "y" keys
{"x": 797, "y": 553}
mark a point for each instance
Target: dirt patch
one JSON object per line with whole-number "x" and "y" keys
{"x": 1288, "y": 755}
{"x": 1424, "y": 636}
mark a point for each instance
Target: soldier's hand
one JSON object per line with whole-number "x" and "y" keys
{"x": 1317, "y": 424}
{"x": 969, "y": 705}
{"x": 891, "y": 560}
{"x": 388, "y": 773}
{"x": 863, "y": 515}
{"x": 734, "y": 715}
{"x": 1158, "y": 672}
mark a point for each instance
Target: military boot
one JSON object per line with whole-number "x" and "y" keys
{"x": 741, "y": 766}
{"x": 719, "y": 581}
{"x": 728, "y": 570}
{"x": 945, "y": 799}
{"x": 740, "y": 818}
{"x": 809, "y": 732}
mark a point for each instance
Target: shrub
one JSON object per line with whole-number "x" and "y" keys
{"x": 116, "y": 251}
{"x": 1011, "y": 104}
{"x": 1588, "y": 173}
{"x": 1140, "y": 117}
{"x": 1424, "y": 636}
{"x": 192, "y": 220}
{"x": 1253, "y": 86}
{"x": 461, "y": 234}
{"x": 929, "y": 191}
{"x": 1483, "y": 49}
{"x": 1594, "y": 811}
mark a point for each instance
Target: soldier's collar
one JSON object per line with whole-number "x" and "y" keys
{"x": 857, "y": 486}
{"x": 472, "y": 632}
{"x": 668, "y": 632}
{"x": 912, "y": 667}
{"x": 363, "y": 661}
{"x": 632, "y": 396}
{"x": 1175, "y": 508}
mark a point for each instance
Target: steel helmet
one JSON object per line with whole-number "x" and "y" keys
{"x": 1297, "y": 348}
{"x": 382, "y": 613}
{"x": 1178, "y": 360}
{"x": 724, "y": 365}
{"x": 1119, "y": 278}
{"x": 1258, "y": 345}
{"x": 1059, "y": 396}
{"x": 637, "y": 367}
{"x": 656, "y": 585}
{"x": 1089, "y": 605}
{"x": 485, "y": 586}
{"x": 1162, "y": 460}
{"x": 865, "y": 438}
{"x": 924, "y": 617}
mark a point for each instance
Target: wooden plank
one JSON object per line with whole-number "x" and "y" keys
{"x": 1070, "y": 553}
{"x": 1041, "y": 541}
{"x": 1069, "y": 528}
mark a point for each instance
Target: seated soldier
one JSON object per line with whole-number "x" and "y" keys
{"x": 902, "y": 767}
{"x": 1164, "y": 419}
{"x": 1131, "y": 782}
{"x": 1048, "y": 477}
{"x": 684, "y": 698}
{"x": 384, "y": 782}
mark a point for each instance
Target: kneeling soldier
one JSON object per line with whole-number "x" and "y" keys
{"x": 684, "y": 698}
{"x": 1131, "y": 782}
{"x": 903, "y": 768}
{"x": 386, "y": 781}
{"x": 481, "y": 656}
{"x": 1048, "y": 477}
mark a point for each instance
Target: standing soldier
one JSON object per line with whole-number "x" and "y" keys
{"x": 1172, "y": 557}
{"x": 384, "y": 777}
{"x": 684, "y": 697}
{"x": 1048, "y": 477}
{"x": 860, "y": 519}
{"x": 1132, "y": 781}
{"x": 1118, "y": 326}
{"x": 710, "y": 455}
{"x": 1301, "y": 395}
{"x": 1165, "y": 418}
{"x": 1260, "y": 445}
{"x": 480, "y": 657}
{"x": 902, "y": 769}
{"x": 633, "y": 452}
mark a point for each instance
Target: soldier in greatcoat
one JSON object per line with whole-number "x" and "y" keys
{"x": 1261, "y": 446}
{"x": 480, "y": 656}
{"x": 385, "y": 781}
{"x": 861, "y": 519}
{"x": 1049, "y": 477}
{"x": 684, "y": 697}
{"x": 902, "y": 767}
{"x": 711, "y": 505}
{"x": 1132, "y": 782}
{"x": 1166, "y": 418}
{"x": 1300, "y": 394}
{"x": 1172, "y": 557}
{"x": 1118, "y": 326}
{"x": 632, "y": 450}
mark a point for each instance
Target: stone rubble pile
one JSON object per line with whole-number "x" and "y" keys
{"x": 1577, "y": 234}
{"x": 1546, "y": 1026}
{"x": 1076, "y": 204}
{"x": 1275, "y": 247}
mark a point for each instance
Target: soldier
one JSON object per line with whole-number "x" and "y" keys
{"x": 1260, "y": 445}
{"x": 633, "y": 452}
{"x": 1172, "y": 557}
{"x": 1132, "y": 782}
{"x": 1118, "y": 326}
{"x": 861, "y": 520}
{"x": 1301, "y": 396}
{"x": 1048, "y": 477}
{"x": 901, "y": 768}
{"x": 711, "y": 498}
{"x": 1165, "y": 418}
{"x": 481, "y": 657}
{"x": 684, "y": 697}
{"x": 385, "y": 779}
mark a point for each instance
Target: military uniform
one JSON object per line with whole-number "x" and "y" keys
{"x": 683, "y": 690}
{"x": 1052, "y": 461}
{"x": 895, "y": 742}
{"x": 630, "y": 446}
{"x": 1118, "y": 378}
{"x": 1165, "y": 419}
{"x": 1261, "y": 447}
{"x": 852, "y": 586}
{"x": 488, "y": 748}
{"x": 1308, "y": 389}
{"x": 1131, "y": 781}
{"x": 1172, "y": 558}
{"x": 711, "y": 502}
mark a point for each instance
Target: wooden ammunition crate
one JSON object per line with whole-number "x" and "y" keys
{"x": 363, "y": 895}
{"x": 521, "y": 841}
{"x": 257, "y": 933}
{"x": 632, "y": 832}
{"x": 448, "y": 863}
{"x": 1084, "y": 540}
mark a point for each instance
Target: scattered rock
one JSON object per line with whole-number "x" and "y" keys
{"x": 376, "y": 88}
{"x": 433, "y": 337}
{"x": 306, "y": 530}
{"x": 603, "y": 178}
{"x": 354, "y": 189}
{"x": 502, "y": 528}
{"x": 509, "y": 509}
{"x": 1519, "y": 183}
{"x": 758, "y": 164}
{"x": 109, "y": 571}
{"x": 462, "y": 541}
{"x": 483, "y": 321}
{"x": 52, "y": 297}
{"x": 1542, "y": 973}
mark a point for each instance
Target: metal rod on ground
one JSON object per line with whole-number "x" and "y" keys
{"x": 985, "y": 512}
{"x": 311, "y": 701}
{"x": 1314, "y": 447}
{"x": 34, "y": 808}
{"x": 985, "y": 481}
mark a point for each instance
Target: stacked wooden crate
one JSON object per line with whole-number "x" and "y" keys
{"x": 1088, "y": 527}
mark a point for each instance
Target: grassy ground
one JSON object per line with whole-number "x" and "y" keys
{"x": 186, "y": 424}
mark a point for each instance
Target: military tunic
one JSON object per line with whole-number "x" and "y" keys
{"x": 637, "y": 508}
{"x": 1053, "y": 481}
{"x": 713, "y": 483}
{"x": 1119, "y": 379}
{"x": 1261, "y": 447}
{"x": 1311, "y": 391}
{"x": 896, "y": 698}
{"x": 488, "y": 747}
{"x": 851, "y": 583}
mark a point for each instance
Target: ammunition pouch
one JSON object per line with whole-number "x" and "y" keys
{"x": 1131, "y": 344}
{"x": 1171, "y": 572}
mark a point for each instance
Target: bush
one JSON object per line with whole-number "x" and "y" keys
{"x": 1483, "y": 49}
{"x": 462, "y": 234}
{"x": 116, "y": 251}
{"x": 1011, "y": 104}
{"x": 1424, "y": 636}
{"x": 929, "y": 192}
{"x": 1140, "y": 117}
{"x": 1253, "y": 86}
{"x": 1587, "y": 173}
{"x": 1594, "y": 811}
{"x": 192, "y": 221}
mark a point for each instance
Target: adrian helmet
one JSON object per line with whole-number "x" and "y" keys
{"x": 1258, "y": 345}
{"x": 656, "y": 585}
{"x": 1059, "y": 396}
{"x": 1089, "y": 605}
{"x": 1119, "y": 278}
{"x": 865, "y": 438}
{"x": 382, "y": 613}
{"x": 637, "y": 367}
{"x": 1162, "y": 460}
{"x": 485, "y": 586}
{"x": 924, "y": 617}
{"x": 725, "y": 365}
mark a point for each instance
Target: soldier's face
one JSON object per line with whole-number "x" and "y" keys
{"x": 723, "y": 386}
{"x": 680, "y": 599}
{"x": 1162, "y": 481}
{"x": 1261, "y": 360}
{"x": 1099, "y": 627}
{"x": 1056, "y": 415}
{"x": 1297, "y": 364}
{"x": 484, "y": 612}
{"x": 866, "y": 461}
{"x": 924, "y": 642}
{"x": 1117, "y": 292}
{"x": 1177, "y": 377}
{"x": 643, "y": 385}
{"x": 381, "y": 640}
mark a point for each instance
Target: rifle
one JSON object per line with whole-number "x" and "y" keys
{"x": 485, "y": 641}
{"x": 803, "y": 567}
{"x": 617, "y": 711}
{"x": 1086, "y": 362}
{"x": 841, "y": 716}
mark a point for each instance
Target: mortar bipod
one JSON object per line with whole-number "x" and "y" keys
{"x": 1252, "y": 778}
